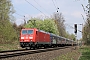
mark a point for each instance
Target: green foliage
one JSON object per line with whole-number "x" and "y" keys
{"x": 86, "y": 31}
{"x": 59, "y": 21}
{"x": 73, "y": 55}
{"x": 85, "y": 53}
{"x": 47, "y": 25}
{"x": 7, "y": 33}
{"x": 6, "y": 9}
{"x": 18, "y": 29}
{"x": 70, "y": 36}
{"x": 10, "y": 46}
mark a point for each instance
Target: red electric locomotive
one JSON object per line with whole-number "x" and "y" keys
{"x": 33, "y": 38}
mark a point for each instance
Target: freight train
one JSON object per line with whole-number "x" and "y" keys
{"x": 34, "y": 38}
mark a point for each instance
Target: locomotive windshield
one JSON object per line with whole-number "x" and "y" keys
{"x": 30, "y": 31}
{"x": 24, "y": 31}
{"x": 27, "y": 31}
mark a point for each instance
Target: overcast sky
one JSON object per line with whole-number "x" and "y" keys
{"x": 71, "y": 10}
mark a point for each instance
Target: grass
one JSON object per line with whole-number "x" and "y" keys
{"x": 85, "y": 53}
{"x": 10, "y": 46}
{"x": 69, "y": 56}
{"x": 74, "y": 55}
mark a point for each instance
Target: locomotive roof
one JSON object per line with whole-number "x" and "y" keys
{"x": 43, "y": 31}
{"x": 29, "y": 28}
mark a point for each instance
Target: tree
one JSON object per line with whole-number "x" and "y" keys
{"x": 6, "y": 9}
{"x": 7, "y": 32}
{"x": 86, "y": 31}
{"x": 47, "y": 25}
{"x": 59, "y": 20}
{"x": 50, "y": 26}
{"x": 70, "y": 36}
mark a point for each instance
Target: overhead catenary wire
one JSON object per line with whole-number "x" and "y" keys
{"x": 19, "y": 14}
{"x": 20, "y": 10}
{"x": 69, "y": 25}
{"x": 72, "y": 27}
{"x": 56, "y": 7}
{"x": 40, "y": 6}
{"x": 34, "y": 7}
{"x": 54, "y": 4}
{"x": 84, "y": 9}
{"x": 83, "y": 17}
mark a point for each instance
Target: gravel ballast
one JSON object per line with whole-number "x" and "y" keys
{"x": 49, "y": 55}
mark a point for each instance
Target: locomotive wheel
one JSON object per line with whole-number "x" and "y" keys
{"x": 45, "y": 46}
{"x": 27, "y": 48}
{"x": 34, "y": 48}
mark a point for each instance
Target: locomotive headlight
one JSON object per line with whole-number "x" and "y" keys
{"x": 22, "y": 37}
{"x": 30, "y": 37}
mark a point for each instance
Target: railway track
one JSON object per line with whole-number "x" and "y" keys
{"x": 13, "y": 53}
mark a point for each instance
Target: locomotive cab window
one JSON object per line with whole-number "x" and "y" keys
{"x": 27, "y": 31}
{"x": 30, "y": 31}
{"x": 24, "y": 31}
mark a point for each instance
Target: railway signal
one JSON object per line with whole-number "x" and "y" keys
{"x": 75, "y": 26}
